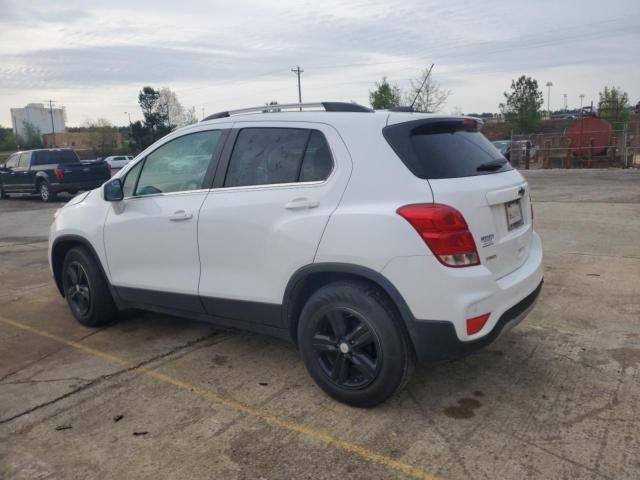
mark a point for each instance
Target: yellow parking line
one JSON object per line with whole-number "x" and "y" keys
{"x": 352, "y": 448}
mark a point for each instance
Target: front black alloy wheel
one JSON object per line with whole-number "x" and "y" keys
{"x": 78, "y": 290}
{"x": 354, "y": 344}
{"x": 86, "y": 290}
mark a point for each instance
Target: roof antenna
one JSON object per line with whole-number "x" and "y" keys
{"x": 421, "y": 87}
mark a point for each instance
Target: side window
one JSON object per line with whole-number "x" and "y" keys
{"x": 264, "y": 156}
{"x": 317, "y": 163}
{"x": 179, "y": 165}
{"x": 13, "y": 161}
{"x": 130, "y": 180}
{"x": 24, "y": 160}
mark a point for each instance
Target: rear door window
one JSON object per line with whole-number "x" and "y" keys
{"x": 269, "y": 156}
{"x": 445, "y": 148}
{"x": 317, "y": 163}
{"x": 49, "y": 157}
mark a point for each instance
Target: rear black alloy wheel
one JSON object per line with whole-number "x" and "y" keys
{"x": 354, "y": 344}
{"x": 346, "y": 349}
{"x": 78, "y": 288}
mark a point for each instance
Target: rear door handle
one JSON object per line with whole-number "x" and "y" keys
{"x": 180, "y": 216}
{"x": 299, "y": 203}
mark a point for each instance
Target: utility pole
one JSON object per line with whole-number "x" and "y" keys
{"x": 53, "y": 128}
{"x": 565, "y": 101}
{"x": 298, "y": 70}
{"x": 549, "y": 85}
{"x": 202, "y": 113}
{"x": 130, "y": 128}
{"x": 581, "y": 98}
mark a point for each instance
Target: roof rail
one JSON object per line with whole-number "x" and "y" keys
{"x": 402, "y": 109}
{"x": 328, "y": 107}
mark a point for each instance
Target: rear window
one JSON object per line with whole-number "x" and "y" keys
{"x": 445, "y": 148}
{"x": 47, "y": 157}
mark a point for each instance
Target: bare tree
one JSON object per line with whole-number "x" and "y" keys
{"x": 190, "y": 116}
{"x": 178, "y": 116}
{"x": 104, "y": 138}
{"x": 432, "y": 97}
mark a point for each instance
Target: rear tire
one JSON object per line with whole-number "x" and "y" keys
{"x": 86, "y": 290}
{"x": 46, "y": 195}
{"x": 354, "y": 344}
{"x": 2, "y": 193}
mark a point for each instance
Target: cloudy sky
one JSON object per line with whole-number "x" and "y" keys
{"x": 94, "y": 56}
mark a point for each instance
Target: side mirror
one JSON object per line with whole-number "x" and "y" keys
{"x": 3, "y": 167}
{"x": 113, "y": 190}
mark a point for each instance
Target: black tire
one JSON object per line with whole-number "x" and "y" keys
{"x": 46, "y": 195}
{"x": 2, "y": 193}
{"x": 362, "y": 372}
{"x": 86, "y": 290}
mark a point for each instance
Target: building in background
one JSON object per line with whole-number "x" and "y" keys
{"x": 43, "y": 119}
{"x": 99, "y": 140}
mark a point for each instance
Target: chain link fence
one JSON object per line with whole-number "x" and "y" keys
{"x": 577, "y": 149}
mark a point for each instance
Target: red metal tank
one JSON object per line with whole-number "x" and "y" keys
{"x": 582, "y": 131}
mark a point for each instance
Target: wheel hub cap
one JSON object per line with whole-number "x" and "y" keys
{"x": 344, "y": 348}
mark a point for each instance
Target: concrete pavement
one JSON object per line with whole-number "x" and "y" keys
{"x": 557, "y": 397}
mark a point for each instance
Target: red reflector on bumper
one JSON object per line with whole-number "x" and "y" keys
{"x": 475, "y": 324}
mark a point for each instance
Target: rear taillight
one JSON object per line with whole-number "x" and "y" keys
{"x": 59, "y": 173}
{"x": 445, "y": 231}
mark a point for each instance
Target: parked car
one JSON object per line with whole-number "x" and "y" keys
{"x": 504, "y": 147}
{"x": 369, "y": 239}
{"x": 48, "y": 172}
{"x": 118, "y": 161}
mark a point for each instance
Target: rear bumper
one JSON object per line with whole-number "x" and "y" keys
{"x": 436, "y": 341}
{"x": 75, "y": 186}
{"x": 441, "y": 299}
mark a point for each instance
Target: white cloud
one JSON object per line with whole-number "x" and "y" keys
{"x": 94, "y": 57}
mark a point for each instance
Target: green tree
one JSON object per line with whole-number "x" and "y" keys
{"x": 7, "y": 139}
{"x": 385, "y": 96}
{"x": 156, "y": 118}
{"x": 614, "y": 106}
{"x": 31, "y": 138}
{"x": 103, "y": 137}
{"x": 522, "y": 105}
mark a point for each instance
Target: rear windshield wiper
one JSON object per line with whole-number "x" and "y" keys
{"x": 491, "y": 166}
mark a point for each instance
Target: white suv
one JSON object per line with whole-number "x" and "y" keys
{"x": 368, "y": 238}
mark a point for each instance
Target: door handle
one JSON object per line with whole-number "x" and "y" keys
{"x": 299, "y": 203}
{"x": 180, "y": 216}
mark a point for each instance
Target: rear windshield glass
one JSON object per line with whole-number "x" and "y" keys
{"x": 47, "y": 157}
{"x": 445, "y": 149}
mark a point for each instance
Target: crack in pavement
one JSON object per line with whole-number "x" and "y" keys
{"x": 107, "y": 376}
{"x": 38, "y": 360}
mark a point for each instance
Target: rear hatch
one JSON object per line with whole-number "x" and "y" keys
{"x": 464, "y": 170}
